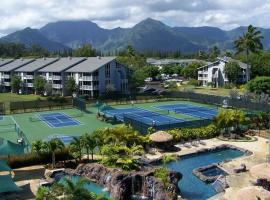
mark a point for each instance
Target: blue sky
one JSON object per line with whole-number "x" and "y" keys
{"x": 225, "y": 14}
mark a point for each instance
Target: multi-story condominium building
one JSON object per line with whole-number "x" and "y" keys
{"x": 56, "y": 75}
{"x": 93, "y": 75}
{"x": 96, "y": 75}
{"x": 213, "y": 73}
{"x": 30, "y": 71}
{"x": 7, "y": 71}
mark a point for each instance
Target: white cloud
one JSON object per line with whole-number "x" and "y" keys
{"x": 226, "y": 14}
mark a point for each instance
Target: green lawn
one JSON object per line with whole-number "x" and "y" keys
{"x": 8, "y": 97}
{"x": 89, "y": 122}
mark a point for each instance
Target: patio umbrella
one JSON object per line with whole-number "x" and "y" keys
{"x": 252, "y": 193}
{"x": 160, "y": 137}
{"x": 261, "y": 171}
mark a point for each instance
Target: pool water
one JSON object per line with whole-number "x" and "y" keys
{"x": 215, "y": 171}
{"x": 191, "y": 187}
{"x": 91, "y": 186}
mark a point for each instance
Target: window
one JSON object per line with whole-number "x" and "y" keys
{"x": 107, "y": 71}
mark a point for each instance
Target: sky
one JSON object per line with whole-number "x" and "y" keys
{"x": 225, "y": 14}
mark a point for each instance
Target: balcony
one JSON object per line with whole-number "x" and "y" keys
{"x": 88, "y": 78}
{"x": 6, "y": 76}
{"x": 57, "y": 86}
{"x": 202, "y": 78}
{"x": 86, "y": 87}
{"x": 29, "y": 85}
{"x": 7, "y": 83}
{"x": 29, "y": 77}
{"x": 55, "y": 77}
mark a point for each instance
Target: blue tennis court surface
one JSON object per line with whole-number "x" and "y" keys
{"x": 56, "y": 120}
{"x": 141, "y": 115}
{"x": 191, "y": 110}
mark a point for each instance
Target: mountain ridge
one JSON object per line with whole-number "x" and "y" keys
{"x": 147, "y": 35}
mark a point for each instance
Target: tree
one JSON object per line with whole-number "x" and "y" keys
{"x": 232, "y": 70}
{"x": 151, "y": 71}
{"x": 39, "y": 84}
{"x": 249, "y": 42}
{"x": 110, "y": 89}
{"x": 89, "y": 143}
{"x": 260, "y": 64}
{"x": 70, "y": 85}
{"x": 48, "y": 88}
{"x": 37, "y": 147}
{"x": 259, "y": 85}
{"x": 85, "y": 51}
{"x": 191, "y": 71}
{"x": 76, "y": 148}
{"x": 214, "y": 53}
{"x": 76, "y": 190}
{"x": 53, "y": 146}
{"x": 15, "y": 83}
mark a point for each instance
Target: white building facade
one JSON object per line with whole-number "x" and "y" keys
{"x": 213, "y": 73}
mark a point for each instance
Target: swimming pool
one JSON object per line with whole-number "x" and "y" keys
{"x": 191, "y": 187}
{"x": 90, "y": 186}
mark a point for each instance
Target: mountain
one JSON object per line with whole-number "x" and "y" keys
{"x": 30, "y": 36}
{"x": 148, "y": 35}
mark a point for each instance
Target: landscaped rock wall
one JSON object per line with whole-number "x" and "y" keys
{"x": 131, "y": 185}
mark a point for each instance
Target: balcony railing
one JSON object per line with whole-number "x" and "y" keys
{"x": 202, "y": 78}
{"x": 7, "y": 83}
{"x": 29, "y": 77}
{"x": 57, "y": 86}
{"x": 6, "y": 76}
{"x": 29, "y": 84}
{"x": 88, "y": 78}
{"x": 55, "y": 77}
{"x": 86, "y": 87}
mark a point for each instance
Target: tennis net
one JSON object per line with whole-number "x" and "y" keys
{"x": 147, "y": 113}
{"x": 48, "y": 118}
{"x": 192, "y": 110}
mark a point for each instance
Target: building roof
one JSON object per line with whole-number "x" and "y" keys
{"x": 62, "y": 64}
{"x": 37, "y": 64}
{"x": 15, "y": 64}
{"x": 91, "y": 64}
{"x": 226, "y": 60}
{"x": 5, "y": 61}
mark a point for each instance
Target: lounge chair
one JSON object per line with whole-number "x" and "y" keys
{"x": 194, "y": 143}
{"x": 201, "y": 142}
{"x": 187, "y": 145}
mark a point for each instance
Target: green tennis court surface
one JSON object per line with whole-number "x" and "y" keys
{"x": 87, "y": 122}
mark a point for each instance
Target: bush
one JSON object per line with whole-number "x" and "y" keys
{"x": 193, "y": 82}
{"x": 34, "y": 159}
{"x": 259, "y": 85}
{"x": 206, "y": 132}
{"x": 163, "y": 175}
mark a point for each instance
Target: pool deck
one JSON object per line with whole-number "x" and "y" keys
{"x": 236, "y": 181}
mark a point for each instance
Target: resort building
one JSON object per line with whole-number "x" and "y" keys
{"x": 7, "y": 71}
{"x": 93, "y": 75}
{"x": 213, "y": 73}
{"x": 55, "y": 73}
{"x": 30, "y": 71}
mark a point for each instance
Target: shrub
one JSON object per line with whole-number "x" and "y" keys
{"x": 163, "y": 175}
{"x": 259, "y": 85}
{"x": 209, "y": 131}
{"x": 193, "y": 82}
{"x": 34, "y": 159}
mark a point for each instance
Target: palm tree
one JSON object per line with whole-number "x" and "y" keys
{"x": 37, "y": 147}
{"x": 249, "y": 42}
{"x": 77, "y": 191}
{"x": 76, "y": 147}
{"x": 53, "y": 146}
{"x": 90, "y": 143}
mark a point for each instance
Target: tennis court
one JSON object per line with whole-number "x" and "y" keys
{"x": 58, "y": 119}
{"x": 142, "y": 115}
{"x": 191, "y": 110}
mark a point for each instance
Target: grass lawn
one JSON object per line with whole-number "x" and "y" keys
{"x": 8, "y": 97}
{"x": 209, "y": 90}
{"x": 40, "y": 130}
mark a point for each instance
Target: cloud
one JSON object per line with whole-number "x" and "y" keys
{"x": 226, "y": 14}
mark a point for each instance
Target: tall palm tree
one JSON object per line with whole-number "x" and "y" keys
{"x": 76, "y": 190}
{"x": 249, "y": 42}
{"x": 89, "y": 143}
{"x": 76, "y": 147}
{"x": 53, "y": 146}
{"x": 37, "y": 147}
